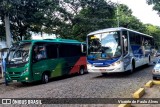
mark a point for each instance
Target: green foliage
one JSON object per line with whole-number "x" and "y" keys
{"x": 72, "y": 19}
{"x": 155, "y": 3}
{"x": 2, "y": 32}
{"x": 127, "y": 20}
{"x": 27, "y": 15}
{"x": 154, "y": 31}
{"x": 88, "y": 16}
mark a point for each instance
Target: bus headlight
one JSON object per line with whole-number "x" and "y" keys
{"x": 116, "y": 63}
{"x": 89, "y": 65}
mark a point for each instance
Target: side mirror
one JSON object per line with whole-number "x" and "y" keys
{"x": 83, "y": 48}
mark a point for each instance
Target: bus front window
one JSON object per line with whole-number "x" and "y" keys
{"x": 19, "y": 53}
{"x": 104, "y": 46}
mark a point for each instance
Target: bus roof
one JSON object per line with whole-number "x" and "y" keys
{"x": 115, "y": 29}
{"x": 54, "y": 40}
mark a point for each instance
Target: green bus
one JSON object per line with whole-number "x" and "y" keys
{"x": 34, "y": 60}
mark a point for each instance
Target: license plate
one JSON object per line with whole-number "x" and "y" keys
{"x": 14, "y": 80}
{"x": 102, "y": 70}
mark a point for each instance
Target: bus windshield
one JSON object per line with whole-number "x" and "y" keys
{"x": 104, "y": 46}
{"x": 19, "y": 53}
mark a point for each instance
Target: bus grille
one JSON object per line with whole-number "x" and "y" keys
{"x": 14, "y": 75}
{"x": 14, "y": 78}
{"x": 101, "y": 65}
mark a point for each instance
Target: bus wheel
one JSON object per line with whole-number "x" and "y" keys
{"x": 149, "y": 60}
{"x": 24, "y": 83}
{"x": 81, "y": 71}
{"x": 132, "y": 68}
{"x": 45, "y": 78}
{"x": 104, "y": 74}
{"x": 154, "y": 78}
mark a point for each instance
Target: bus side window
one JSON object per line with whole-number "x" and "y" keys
{"x": 42, "y": 51}
{"x": 70, "y": 50}
{"x": 52, "y": 51}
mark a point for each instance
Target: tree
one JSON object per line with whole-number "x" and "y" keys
{"x": 27, "y": 15}
{"x": 2, "y": 32}
{"x": 72, "y": 19}
{"x": 85, "y": 16}
{"x": 155, "y": 3}
{"x": 127, "y": 20}
{"x": 154, "y": 31}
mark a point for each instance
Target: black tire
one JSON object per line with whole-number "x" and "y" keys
{"x": 81, "y": 71}
{"x": 104, "y": 74}
{"x": 132, "y": 69}
{"x": 154, "y": 78}
{"x": 149, "y": 61}
{"x": 24, "y": 83}
{"x": 45, "y": 78}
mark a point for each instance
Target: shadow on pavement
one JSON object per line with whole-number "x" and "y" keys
{"x": 51, "y": 80}
{"x": 122, "y": 74}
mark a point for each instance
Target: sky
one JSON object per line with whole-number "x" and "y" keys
{"x": 142, "y": 11}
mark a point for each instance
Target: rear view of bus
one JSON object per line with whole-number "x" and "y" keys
{"x": 118, "y": 50}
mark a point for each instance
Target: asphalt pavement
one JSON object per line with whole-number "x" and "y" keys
{"x": 91, "y": 85}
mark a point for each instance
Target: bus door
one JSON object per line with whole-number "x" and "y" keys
{"x": 125, "y": 44}
{"x": 38, "y": 61}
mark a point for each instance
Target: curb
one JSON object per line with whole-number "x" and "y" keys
{"x": 124, "y": 105}
{"x": 139, "y": 93}
{"x": 155, "y": 82}
{"x": 149, "y": 84}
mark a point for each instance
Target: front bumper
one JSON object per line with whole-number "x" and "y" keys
{"x": 112, "y": 68}
{"x": 105, "y": 69}
{"x": 19, "y": 77}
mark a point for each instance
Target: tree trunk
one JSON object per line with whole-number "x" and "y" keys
{"x": 8, "y": 32}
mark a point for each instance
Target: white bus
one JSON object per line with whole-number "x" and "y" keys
{"x": 118, "y": 50}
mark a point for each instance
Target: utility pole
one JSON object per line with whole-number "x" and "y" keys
{"x": 8, "y": 32}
